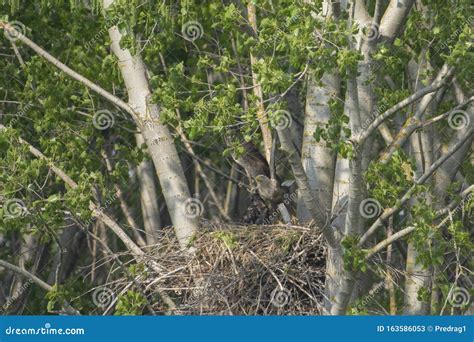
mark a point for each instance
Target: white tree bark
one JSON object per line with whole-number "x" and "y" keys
{"x": 319, "y": 161}
{"x": 157, "y": 137}
{"x": 148, "y": 197}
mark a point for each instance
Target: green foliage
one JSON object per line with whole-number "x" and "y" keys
{"x": 354, "y": 256}
{"x": 130, "y": 303}
{"x": 388, "y": 182}
{"x": 336, "y": 132}
{"x": 227, "y": 238}
{"x": 286, "y": 242}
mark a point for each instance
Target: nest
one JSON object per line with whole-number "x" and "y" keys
{"x": 243, "y": 270}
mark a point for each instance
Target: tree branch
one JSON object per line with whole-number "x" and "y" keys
{"x": 96, "y": 210}
{"x": 67, "y": 307}
{"x": 437, "y": 84}
{"x": 394, "y": 18}
{"x": 383, "y": 244}
{"x": 310, "y": 201}
{"x": 68, "y": 71}
{"x": 389, "y": 212}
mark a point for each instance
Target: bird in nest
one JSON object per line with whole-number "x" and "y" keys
{"x": 266, "y": 191}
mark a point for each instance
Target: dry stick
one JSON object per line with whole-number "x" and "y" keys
{"x": 229, "y": 191}
{"x": 67, "y": 307}
{"x": 310, "y": 201}
{"x": 68, "y": 71}
{"x": 100, "y": 215}
{"x": 444, "y": 115}
{"x": 129, "y": 217}
{"x": 202, "y": 174}
{"x": 389, "y": 278}
{"x": 454, "y": 204}
{"x": 261, "y": 116}
{"x": 389, "y": 212}
{"x": 388, "y": 241}
{"x": 236, "y": 181}
{"x": 121, "y": 264}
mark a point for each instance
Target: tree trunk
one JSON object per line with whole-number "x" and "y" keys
{"x": 158, "y": 139}
{"x": 148, "y": 197}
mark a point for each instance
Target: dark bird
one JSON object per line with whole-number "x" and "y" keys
{"x": 269, "y": 189}
{"x": 252, "y": 161}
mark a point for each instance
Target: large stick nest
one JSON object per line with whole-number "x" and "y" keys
{"x": 243, "y": 270}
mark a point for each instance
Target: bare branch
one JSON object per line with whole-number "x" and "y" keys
{"x": 383, "y": 244}
{"x": 67, "y": 307}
